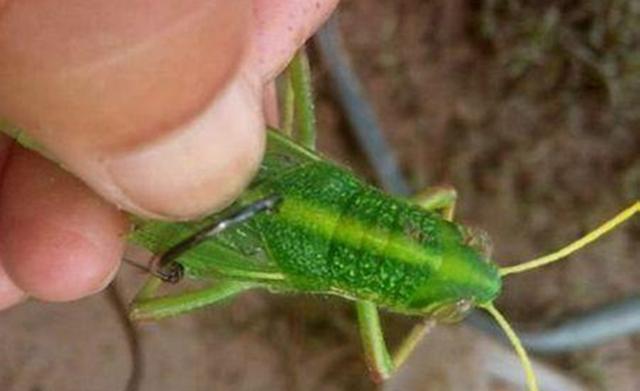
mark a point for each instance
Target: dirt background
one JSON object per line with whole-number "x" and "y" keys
{"x": 527, "y": 108}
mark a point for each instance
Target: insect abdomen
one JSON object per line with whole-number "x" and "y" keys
{"x": 334, "y": 233}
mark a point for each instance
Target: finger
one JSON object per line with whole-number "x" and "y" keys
{"x": 10, "y": 294}
{"x": 140, "y": 99}
{"x": 281, "y": 28}
{"x": 58, "y": 240}
{"x": 114, "y": 73}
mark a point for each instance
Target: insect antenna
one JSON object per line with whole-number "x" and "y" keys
{"x": 517, "y": 345}
{"x": 564, "y": 252}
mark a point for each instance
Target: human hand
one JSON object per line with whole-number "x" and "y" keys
{"x": 156, "y": 105}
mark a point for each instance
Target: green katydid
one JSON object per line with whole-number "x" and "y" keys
{"x": 314, "y": 228}
{"x": 306, "y": 225}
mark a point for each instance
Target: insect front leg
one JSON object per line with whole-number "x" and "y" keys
{"x": 382, "y": 364}
{"x": 442, "y": 198}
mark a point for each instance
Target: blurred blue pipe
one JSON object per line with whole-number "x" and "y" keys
{"x": 359, "y": 111}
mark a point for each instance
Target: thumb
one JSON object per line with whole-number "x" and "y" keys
{"x": 142, "y": 100}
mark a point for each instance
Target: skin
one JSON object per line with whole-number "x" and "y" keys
{"x": 154, "y": 107}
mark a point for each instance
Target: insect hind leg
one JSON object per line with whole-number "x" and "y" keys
{"x": 146, "y": 307}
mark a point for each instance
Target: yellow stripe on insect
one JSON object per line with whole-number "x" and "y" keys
{"x": 323, "y": 222}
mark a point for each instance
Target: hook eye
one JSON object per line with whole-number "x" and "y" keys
{"x": 168, "y": 271}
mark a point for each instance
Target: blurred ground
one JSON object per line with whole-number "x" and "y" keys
{"x": 527, "y": 108}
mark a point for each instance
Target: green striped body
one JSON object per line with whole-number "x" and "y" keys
{"x": 333, "y": 234}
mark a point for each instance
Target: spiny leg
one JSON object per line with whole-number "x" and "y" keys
{"x": 380, "y": 362}
{"x": 145, "y": 308}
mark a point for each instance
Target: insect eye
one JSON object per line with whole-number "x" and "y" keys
{"x": 452, "y": 312}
